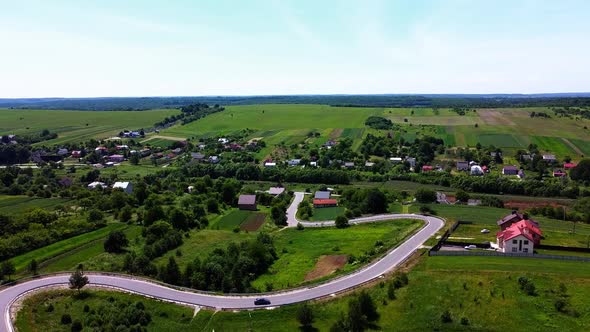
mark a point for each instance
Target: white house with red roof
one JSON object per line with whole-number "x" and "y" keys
{"x": 520, "y": 237}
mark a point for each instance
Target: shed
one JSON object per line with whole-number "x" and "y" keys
{"x": 322, "y": 195}
{"x": 125, "y": 186}
{"x": 247, "y": 202}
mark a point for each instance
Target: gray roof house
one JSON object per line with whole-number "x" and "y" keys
{"x": 462, "y": 166}
{"x": 322, "y": 195}
{"x": 247, "y": 202}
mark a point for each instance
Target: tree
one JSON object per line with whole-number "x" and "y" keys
{"x": 171, "y": 273}
{"x": 178, "y": 219}
{"x": 357, "y": 320}
{"x": 126, "y": 214}
{"x": 33, "y": 267}
{"x": 78, "y": 280}
{"x": 7, "y": 269}
{"x": 368, "y": 307}
{"x": 134, "y": 159}
{"x": 424, "y": 195}
{"x": 115, "y": 242}
{"x": 95, "y": 216}
{"x": 582, "y": 171}
{"x": 462, "y": 196}
{"x": 305, "y": 315}
{"x": 376, "y": 201}
{"x": 341, "y": 222}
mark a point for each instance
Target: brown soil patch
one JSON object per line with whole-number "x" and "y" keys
{"x": 336, "y": 133}
{"x": 495, "y": 118}
{"x": 519, "y": 205}
{"x": 326, "y": 265}
{"x": 254, "y": 222}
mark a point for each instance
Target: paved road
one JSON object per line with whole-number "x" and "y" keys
{"x": 393, "y": 258}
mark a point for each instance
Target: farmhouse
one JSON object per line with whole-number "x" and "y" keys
{"x": 247, "y": 202}
{"x": 275, "y": 191}
{"x": 512, "y": 218}
{"x": 122, "y": 147}
{"x": 196, "y": 156}
{"x": 510, "y": 170}
{"x": 569, "y": 165}
{"x": 322, "y": 195}
{"x": 214, "y": 159}
{"x": 476, "y": 170}
{"x": 101, "y": 149}
{"x": 520, "y": 237}
{"x": 322, "y": 203}
{"x": 549, "y": 158}
{"x": 125, "y": 186}
{"x": 426, "y": 168}
{"x": 462, "y": 166}
{"x": 395, "y": 160}
{"x": 349, "y": 164}
{"x": 62, "y": 152}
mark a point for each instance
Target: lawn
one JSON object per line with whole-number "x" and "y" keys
{"x": 61, "y": 247}
{"x": 300, "y": 250}
{"x": 21, "y": 204}
{"x": 34, "y": 315}
{"x": 76, "y": 126}
{"x": 555, "y": 232}
{"x": 328, "y": 213}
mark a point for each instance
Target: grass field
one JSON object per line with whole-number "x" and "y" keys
{"x": 300, "y": 250}
{"x": 232, "y": 220}
{"x": 61, "y": 247}
{"x": 164, "y": 316}
{"x": 76, "y": 126}
{"x": 20, "y": 204}
{"x": 328, "y": 213}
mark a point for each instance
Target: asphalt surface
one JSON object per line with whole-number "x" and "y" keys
{"x": 393, "y": 258}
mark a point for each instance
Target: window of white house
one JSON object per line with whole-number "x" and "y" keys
{"x": 514, "y": 242}
{"x": 526, "y": 241}
{"x": 525, "y": 249}
{"x": 514, "y": 249}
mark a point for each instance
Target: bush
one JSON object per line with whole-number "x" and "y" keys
{"x": 66, "y": 319}
{"x": 77, "y": 326}
{"x": 424, "y": 195}
{"x": 341, "y": 222}
{"x": 300, "y": 226}
{"x": 50, "y": 308}
{"x": 86, "y": 308}
{"x": 446, "y": 317}
{"x": 464, "y": 321}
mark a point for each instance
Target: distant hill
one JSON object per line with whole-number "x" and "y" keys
{"x": 385, "y": 100}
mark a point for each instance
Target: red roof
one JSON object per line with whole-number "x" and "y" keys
{"x": 325, "y": 202}
{"x": 524, "y": 227}
{"x": 427, "y": 168}
{"x": 569, "y": 165}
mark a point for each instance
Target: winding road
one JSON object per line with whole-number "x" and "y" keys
{"x": 375, "y": 270}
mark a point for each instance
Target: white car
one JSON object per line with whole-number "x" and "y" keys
{"x": 485, "y": 231}
{"x": 471, "y": 246}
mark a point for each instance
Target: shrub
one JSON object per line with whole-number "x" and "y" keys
{"x": 86, "y": 308}
{"x": 77, "y": 326}
{"x": 50, "y": 308}
{"x": 66, "y": 319}
{"x": 464, "y": 321}
{"x": 341, "y": 222}
{"x": 300, "y": 226}
{"x": 446, "y": 317}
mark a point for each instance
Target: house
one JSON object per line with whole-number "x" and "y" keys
{"x": 294, "y": 162}
{"x": 116, "y": 158}
{"x": 270, "y": 164}
{"x": 322, "y": 203}
{"x": 96, "y": 184}
{"x": 426, "y": 168}
{"x": 411, "y": 161}
{"x": 559, "y": 173}
{"x": 177, "y": 151}
{"x": 473, "y": 202}
{"x": 476, "y": 170}
{"x": 549, "y": 158}
{"x": 462, "y": 166}
{"x": 526, "y": 157}
{"x": 329, "y": 144}
{"x": 395, "y": 160}
{"x": 145, "y": 152}
{"x": 135, "y": 134}
{"x": 275, "y": 191}
{"x": 520, "y": 237}
{"x": 313, "y": 163}
{"x": 197, "y": 156}
{"x": 495, "y": 154}
{"x": 213, "y": 159}
{"x": 510, "y": 170}
{"x": 109, "y": 164}
{"x": 122, "y": 147}
{"x": 101, "y": 149}
{"x": 512, "y": 218}
{"x": 349, "y": 164}
{"x": 569, "y": 165}
{"x": 369, "y": 164}
{"x": 223, "y": 140}
{"x": 76, "y": 154}
{"x": 322, "y": 195}
{"x": 62, "y": 152}
{"x": 521, "y": 174}
{"x": 247, "y": 202}
{"x": 125, "y": 186}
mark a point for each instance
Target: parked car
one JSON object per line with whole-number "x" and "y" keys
{"x": 261, "y": 301}
{"x": 485, "y": 231}
{"x": 471, "y": 246}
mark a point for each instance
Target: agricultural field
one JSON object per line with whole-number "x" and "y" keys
{"x": 77, "y": 126}
{"x": 240, "y": 219}
{"x": 509, "y": 129}
{"x": 20, "y": 204}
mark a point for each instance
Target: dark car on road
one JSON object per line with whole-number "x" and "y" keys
{"x": 261, "y": 301}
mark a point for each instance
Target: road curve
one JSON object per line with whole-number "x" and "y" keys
{"x": 392, "y": 259}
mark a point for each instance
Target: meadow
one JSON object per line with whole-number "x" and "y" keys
{"x": 20, "y": 204}
{"x": 482, "y": 290}
{"x": 77, "y": 126}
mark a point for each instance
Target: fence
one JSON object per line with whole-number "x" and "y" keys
{"x": 499, "y": 254}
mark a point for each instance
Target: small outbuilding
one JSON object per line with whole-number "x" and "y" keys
{"x": 247, "y": 202}
{"x": 125, "y": 186}
{"x": 322, "y": 195}
{"x": 322, "y": 203}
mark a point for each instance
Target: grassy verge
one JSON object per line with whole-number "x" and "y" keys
{"x": 55, "y": 249}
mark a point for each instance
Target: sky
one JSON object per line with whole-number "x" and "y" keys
{"x": 82, "y": 48}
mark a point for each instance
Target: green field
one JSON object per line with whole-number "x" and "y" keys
{"x": 327, "y": 213}
{"x": 299, "y": 251}
{"x": 20, "y": 204}
{"x": 232, "y": 220}
{"x": 76, "y": 126}
{"x": 64, "y": 246}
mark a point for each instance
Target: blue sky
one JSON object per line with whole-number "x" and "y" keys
{"x": 171, "y": 48}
